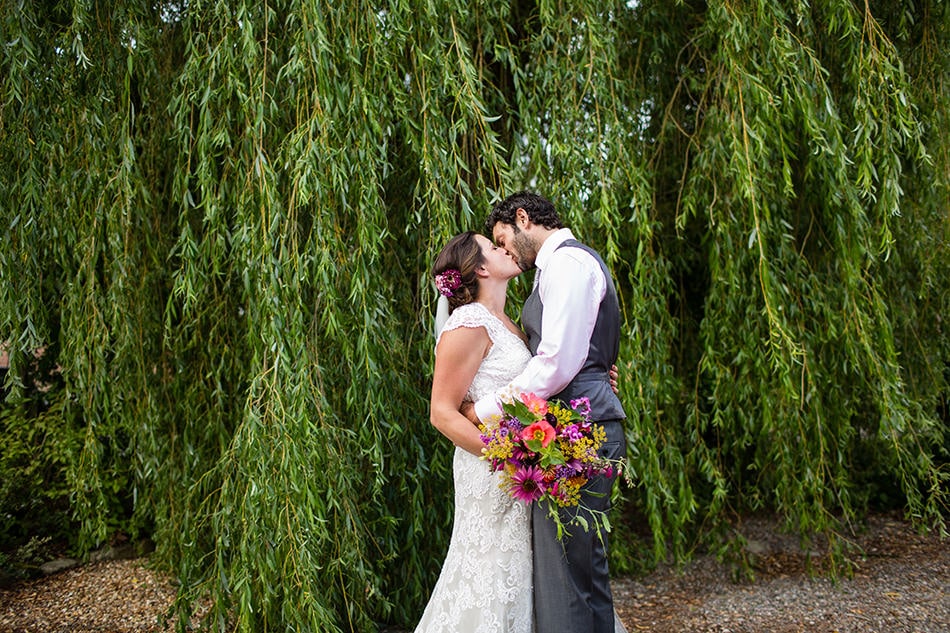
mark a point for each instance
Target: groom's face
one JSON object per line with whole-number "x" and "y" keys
{"x": 517, "y": 243}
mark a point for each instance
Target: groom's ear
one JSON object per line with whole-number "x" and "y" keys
{"x": 522, "y": 221}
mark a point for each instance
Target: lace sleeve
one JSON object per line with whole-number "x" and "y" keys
{"x": 470, "y": 315}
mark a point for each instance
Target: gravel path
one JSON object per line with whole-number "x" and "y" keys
{"x": 900, "y": 585}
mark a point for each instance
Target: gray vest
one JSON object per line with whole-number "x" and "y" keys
{"x": 593, "y": 380}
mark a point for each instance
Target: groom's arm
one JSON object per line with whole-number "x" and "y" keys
{"x": 468, "y": 407}
{"x": 572, "y": 287}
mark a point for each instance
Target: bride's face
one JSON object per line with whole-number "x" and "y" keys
{"x": 497, "y": 260}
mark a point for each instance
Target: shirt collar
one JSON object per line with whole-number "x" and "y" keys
{"x": 550, "y": 245}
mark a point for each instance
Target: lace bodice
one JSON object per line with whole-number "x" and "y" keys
{"x": 507, "y": 356}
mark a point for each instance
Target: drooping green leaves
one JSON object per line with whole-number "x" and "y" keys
{"x": 219, "y": 217}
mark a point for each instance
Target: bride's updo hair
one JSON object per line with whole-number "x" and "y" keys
{"x": 463, "y": 254}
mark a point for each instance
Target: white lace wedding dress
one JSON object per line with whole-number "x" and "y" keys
{"x": 485, "y": 584}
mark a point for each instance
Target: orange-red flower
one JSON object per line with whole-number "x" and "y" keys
{"x": 540, "y": 431}
{"x": 536, "y": 405}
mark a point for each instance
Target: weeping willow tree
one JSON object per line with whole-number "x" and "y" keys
{"x": 218, "y": 220}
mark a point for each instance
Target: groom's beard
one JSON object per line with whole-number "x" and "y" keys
{"x": 525, "y": 248}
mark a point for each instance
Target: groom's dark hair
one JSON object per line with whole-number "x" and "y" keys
{"x": 540, "y": 210}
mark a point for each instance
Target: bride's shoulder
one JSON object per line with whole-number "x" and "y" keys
{"x": 470, "y": 314}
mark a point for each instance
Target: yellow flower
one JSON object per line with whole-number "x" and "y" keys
{"x": 563, "y": 415}
{"x": 569, "y": 492}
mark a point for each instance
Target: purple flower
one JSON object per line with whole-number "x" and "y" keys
{"x": 572, "y": 432}
{"x": 511, "y": 425}
{"x": 448, "y": 282}
{"x": 581, "y": 405}
{"x": 519, "y": 455}
{"x": 527, "y": 484}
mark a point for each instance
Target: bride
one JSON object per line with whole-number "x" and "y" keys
{"x": 485, "y": 583}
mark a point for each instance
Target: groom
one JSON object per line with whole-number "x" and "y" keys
{"x": 572, "y": 319}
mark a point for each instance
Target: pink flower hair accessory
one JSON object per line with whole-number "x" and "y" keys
{"x": 448, "y": 282}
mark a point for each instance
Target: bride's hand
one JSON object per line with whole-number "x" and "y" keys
{"x": 614, "y": 375}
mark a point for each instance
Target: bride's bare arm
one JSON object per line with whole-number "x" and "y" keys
{"x": 457, "y": 359}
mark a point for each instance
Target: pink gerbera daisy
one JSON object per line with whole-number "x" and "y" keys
{"x": 527, "y": 484}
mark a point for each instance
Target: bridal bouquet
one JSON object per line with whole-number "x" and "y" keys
{"x": 546, "y": 452}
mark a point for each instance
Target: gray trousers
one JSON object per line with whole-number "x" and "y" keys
{"x": 571, "y": 579}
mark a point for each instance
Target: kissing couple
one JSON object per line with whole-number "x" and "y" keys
{"x": 506, "y": 570}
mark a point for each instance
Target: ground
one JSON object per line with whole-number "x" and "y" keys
{"x": 900, "y": 584}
